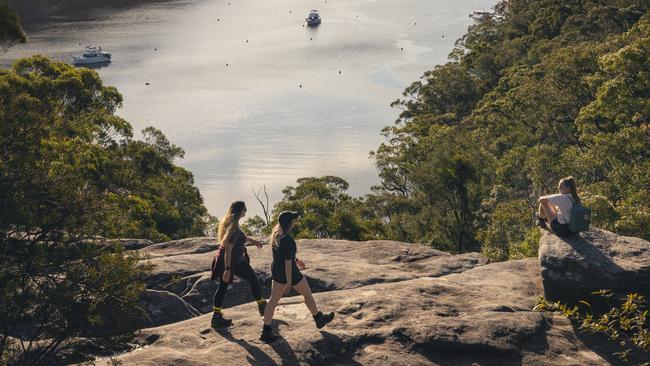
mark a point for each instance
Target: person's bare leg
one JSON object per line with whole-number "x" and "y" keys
{"x": 277, "y": 289}
{"x": 303, "y": 288}
{"x": 549, "y": 212}
{"x": 541, "y": 213}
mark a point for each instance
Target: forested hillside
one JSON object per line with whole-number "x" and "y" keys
{"x": 548, "y": 89}
{"x": 545, "y": 89}
{"x": 34, "y": 10}
{"x": 70, "y": 172}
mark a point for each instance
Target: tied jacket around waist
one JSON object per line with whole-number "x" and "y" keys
{"x": 239, "y": 254}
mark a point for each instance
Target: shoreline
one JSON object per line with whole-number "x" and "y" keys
{"x": 35, "y": 13}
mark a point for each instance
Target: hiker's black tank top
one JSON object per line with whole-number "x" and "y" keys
{"x": 238, "y": 249}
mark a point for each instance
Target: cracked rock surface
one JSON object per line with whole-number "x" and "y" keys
{"x": 395, "y": 304}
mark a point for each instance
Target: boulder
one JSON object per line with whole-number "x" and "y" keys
{"x": 131, "y": 244}
{"x": 162, "y": 307}
{"x": 480, "y": 316}
{"x": 180, "y": 247}
{"x": 182, "y": 266}
{"x": 169, "y": 270}
{"x": 574, "y": 267}
{"x": 109, "y": 245}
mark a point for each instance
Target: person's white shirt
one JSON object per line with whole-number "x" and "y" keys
{"x": 563, "y": 202}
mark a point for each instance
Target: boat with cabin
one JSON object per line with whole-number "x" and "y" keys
{"x": 313, "y": 19}
{"x": 481, "y": 15}
{"x": 92, "y": 55}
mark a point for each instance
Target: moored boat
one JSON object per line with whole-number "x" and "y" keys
{"x": 313, "y": 18}
{"x": 92, "y": 55}
{"x": 481, "y": 15}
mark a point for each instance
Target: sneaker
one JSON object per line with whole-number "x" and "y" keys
{"x": 322, "y": 319}
{"x": 261, "y": 306}
{"x": 219, "y": 321}
{"x": 267, "y": 335}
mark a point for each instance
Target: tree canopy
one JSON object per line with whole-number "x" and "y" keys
{"x": 70, "y": 171}
{"x": 544, "y": 89}
{"x": 11, "y": 31}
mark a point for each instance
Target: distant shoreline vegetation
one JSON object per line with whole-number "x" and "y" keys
{"x": 32, "y": 11}
{"x": 542, "y": 90}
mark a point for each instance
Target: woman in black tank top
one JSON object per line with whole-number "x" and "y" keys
{"x": 285, "y": 272}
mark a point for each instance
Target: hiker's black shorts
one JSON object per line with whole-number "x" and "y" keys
{"x": 296, "y": 277}
{"x": 560, "y": 229}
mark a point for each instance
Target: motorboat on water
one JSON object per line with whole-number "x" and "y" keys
{"x": 313, "y": 18}
{"x": 92, "y": 55}
{"x": 481, "y": 15}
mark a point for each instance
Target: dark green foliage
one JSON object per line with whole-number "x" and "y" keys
{"x": 546, "y": 89}
{"x": 69, "y": 172}
{"x": 509, "y": 235}
{"x": 35, "y": 10}
{"x": 326, "y": 211}
{"x": 54, "y": 291}
{"x": 11, "y": 31}
{"x": 625, "y": 323}
{"x": 65, "y": 157}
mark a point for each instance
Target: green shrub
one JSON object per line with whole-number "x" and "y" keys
{"x": 626, "y": 322}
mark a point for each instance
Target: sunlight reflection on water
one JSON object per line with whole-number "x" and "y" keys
{"x": 251, "y": 123}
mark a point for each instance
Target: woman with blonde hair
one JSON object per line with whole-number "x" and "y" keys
{"x": 555, "y": 209}
{"x": 285, "y": 272}
{"x": 232, "y": 259}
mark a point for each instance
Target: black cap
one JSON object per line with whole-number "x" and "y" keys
{"x": 286, "y": 217}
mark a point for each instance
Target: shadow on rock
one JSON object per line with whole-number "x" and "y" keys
{"x": 256, "y": 355}
{"x": 605, "y": 348}
{"x": 335, "y": 347}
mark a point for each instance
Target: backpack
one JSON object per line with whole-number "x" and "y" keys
{"x": 580, "y": 218}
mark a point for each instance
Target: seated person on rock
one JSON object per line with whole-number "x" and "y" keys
{"x": 555, "y": 209}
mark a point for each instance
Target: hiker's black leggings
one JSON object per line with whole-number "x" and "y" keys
{"x": 243, "y": 270}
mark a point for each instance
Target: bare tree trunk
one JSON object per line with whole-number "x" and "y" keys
{"x": 265, "y": 206}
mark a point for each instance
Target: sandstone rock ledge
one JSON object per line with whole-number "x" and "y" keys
{"x": 574, "y": 267}
{"x": 181, "y": 268}
{"x": 481, "y": 316}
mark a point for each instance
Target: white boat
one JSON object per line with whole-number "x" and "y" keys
{"x": 92, "y": 55}
{"x": 313, "y": 18}
{"x": 481, "y": 15}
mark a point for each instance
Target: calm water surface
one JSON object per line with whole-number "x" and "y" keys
{"x": 280, "y": 109}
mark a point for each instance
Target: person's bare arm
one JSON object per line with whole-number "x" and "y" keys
{"x": 251, "y": 241}
{"x": 300, "y": 264}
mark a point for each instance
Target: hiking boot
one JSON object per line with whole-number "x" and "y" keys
{"x": 261, "y": 306}
{"x": 267, "y": 335}
{"x": 322, "y": 319}
{"x": 542, "y": 223}
{"x": 218, "y": 321}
